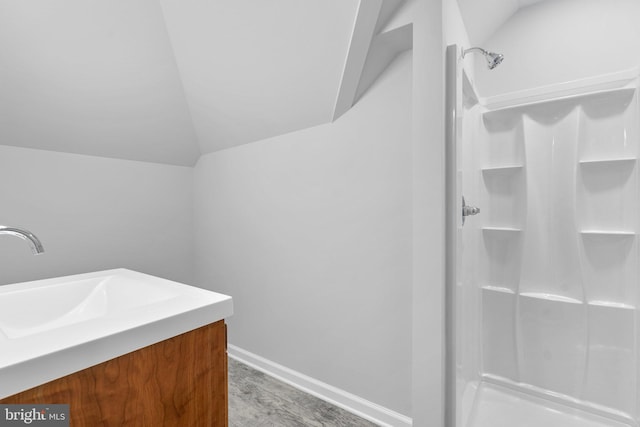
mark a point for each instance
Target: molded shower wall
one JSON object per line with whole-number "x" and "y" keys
{"x": 548, "y": 295}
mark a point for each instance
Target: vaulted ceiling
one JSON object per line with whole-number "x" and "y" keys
{"x": 169, "y": 80}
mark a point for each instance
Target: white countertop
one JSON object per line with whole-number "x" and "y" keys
{"x": 53, "y": 327}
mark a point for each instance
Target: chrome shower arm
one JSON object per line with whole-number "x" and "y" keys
{"x": 493, "y": 59}
{"x": 465, "y": 51}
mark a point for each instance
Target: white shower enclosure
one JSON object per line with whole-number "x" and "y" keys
{"x": 543, "y": 291}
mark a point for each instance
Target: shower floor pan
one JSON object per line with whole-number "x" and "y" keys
{"x": 497, "y": 406}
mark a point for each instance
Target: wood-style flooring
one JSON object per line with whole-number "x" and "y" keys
{"x": 258, "y": 400}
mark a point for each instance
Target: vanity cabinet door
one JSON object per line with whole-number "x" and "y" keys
{"x": 178, "y": 382}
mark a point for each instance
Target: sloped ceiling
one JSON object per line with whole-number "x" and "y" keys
{"x": 483, "y": 18}
{"x": 253, "y": 69}
{"x": 168, "y": 80}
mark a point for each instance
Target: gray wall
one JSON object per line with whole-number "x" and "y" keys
{"x": 310, "y": 232}
{"x": 94, "y": 213}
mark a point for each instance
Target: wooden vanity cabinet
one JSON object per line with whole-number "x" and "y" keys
{"x": 178, "y": 382}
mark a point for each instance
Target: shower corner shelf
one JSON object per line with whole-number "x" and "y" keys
{"x": 604, "y": 161}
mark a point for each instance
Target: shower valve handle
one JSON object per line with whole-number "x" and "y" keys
{"x": 468, "y": 210}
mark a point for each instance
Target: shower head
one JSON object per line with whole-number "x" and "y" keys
{"x": 493, "y": 59}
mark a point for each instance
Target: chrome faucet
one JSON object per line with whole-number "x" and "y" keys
{"x": 32, "y": 240}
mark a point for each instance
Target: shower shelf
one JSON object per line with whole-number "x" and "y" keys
{"x": 612, "y": 233}
{"x": 550, "y": 297}
{"x": 506, "y": 169}
{"x": 497, "y": 289}
{"x": 612, "y": 162}
{"x": 611, "y": 304}
{"x": 502, "y": 229}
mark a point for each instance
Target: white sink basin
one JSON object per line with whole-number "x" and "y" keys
{"x": 54, "y": 327}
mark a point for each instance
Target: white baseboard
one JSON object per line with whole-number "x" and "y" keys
{"x": 343, "y": 399}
